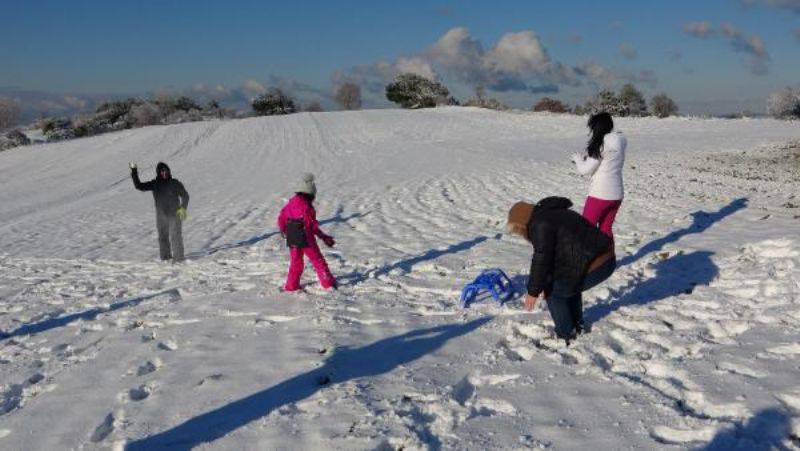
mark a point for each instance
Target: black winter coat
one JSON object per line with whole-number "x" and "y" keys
{"x": 564, "y": 244}
{"x": 169, "y": 194}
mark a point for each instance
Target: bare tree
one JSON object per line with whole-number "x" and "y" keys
{"x": 550, "y": 105}
{"x": 784, "y": 104}
{"x": 9, "y": 113}
{"x": 663, "y": 106}
{"x": 633, "y": 101}
{"x": 145, "y": 114}
{"x": 480, "y": 100}
{"x": 348, "y": 96}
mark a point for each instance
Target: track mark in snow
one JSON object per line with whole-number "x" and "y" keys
{"x": 149, "y": 367}
{"x": 490, "y": 407}
{"x": 232, "y": 314}
{"x": 492, "y": 379}
{"x": 791, "y": 400}
{"x": 353, "y": 320}
{"x": 107, "y": 426}
{"x": 518, "y": 352}
{"x": 141, "y": 392}
{"x": 13, "y": 397}
{"x": 434, "y": 312}
{"x": 673, "y": 436}
{"x": 269, "y": 320}
{"x": 787, "y": 349}
{"x": 168, "y": 345}
{"x": 180, "y": 322}
{"x": 741, "y": 370}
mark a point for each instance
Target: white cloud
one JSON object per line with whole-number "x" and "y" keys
{"x": 519, "y": 61}
{"x": 460, "y": 54}
{"x": 606, "y": 78}
{"x": 416, "y": 65}
{"x": 752, "y": 46}
{"x": 253, "y": 87}
{"x": 598, "y": 74}
{"x": 701, "y": 30}
{"x": 519, "y": 53}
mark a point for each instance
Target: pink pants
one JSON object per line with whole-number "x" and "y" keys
{"x": 296, "y": 266}
{"x": 601, "y": 213}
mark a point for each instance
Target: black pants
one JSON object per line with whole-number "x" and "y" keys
{"x": 566, "y": 309}
{"x": 170, "y": 236}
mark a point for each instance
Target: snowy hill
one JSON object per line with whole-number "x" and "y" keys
{"x": 694, "y": 341}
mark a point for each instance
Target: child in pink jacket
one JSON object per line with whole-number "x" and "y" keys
{"x": 298, "y": 224}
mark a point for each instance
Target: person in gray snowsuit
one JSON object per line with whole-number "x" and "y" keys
{"x": 171, "y": 201}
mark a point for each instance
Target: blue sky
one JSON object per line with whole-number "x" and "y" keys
{"x": 136, "y": 47}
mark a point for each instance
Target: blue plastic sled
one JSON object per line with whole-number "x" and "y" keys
{"x": 495, "y": 281}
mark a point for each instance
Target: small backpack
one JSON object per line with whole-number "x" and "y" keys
{"x": 296, "y": 233}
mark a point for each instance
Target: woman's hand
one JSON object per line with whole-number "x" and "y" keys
{"x": 530, "y": 302}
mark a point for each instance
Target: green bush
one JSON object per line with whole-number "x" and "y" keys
{"x": 273, "y": 102}
{"x": 414, "y": 91}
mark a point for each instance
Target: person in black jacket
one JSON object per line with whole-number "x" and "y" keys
{"x": 171, "y": 201}
{"x": 570, "y": 255}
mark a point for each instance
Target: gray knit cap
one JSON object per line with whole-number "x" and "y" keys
{"x": 307, "y": 185}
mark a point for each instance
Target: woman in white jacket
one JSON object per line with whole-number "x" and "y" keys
{"x": 603, "y": 160}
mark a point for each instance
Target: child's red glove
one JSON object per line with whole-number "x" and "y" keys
{"x": 329, "y": 241}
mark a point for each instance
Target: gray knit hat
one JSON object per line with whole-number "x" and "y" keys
{"x": 307, "y": 185}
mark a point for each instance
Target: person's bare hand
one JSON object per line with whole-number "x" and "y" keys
{"x": 530, "y": 302}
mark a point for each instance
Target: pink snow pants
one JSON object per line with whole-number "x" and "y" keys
{"x": 296, "y": 266}
{"x": 602, "y": 213}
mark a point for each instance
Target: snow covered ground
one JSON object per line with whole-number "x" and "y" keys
{"x": 695, "y": 339}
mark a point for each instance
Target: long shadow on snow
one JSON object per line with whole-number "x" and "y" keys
{"x": 345, "y": 364}
{"x": 88, "y": 315}
{"x": 676, "y": 275}
{"x": 765, "y": 431}
{"x": 335, "y": 219}
{"x": 408, "y": 264}
{"x": 701, "y": 221}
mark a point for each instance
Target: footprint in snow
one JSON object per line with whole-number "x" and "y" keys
{"x": 106, "y": 427}
{"x": 149, "y": 367}
{"x": 211, "y": 378}
{"x": 141, "y": 392}
{"x": 168, "y": 345}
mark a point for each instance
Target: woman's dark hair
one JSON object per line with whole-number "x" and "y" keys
{"x": 600, "y": 124}
{"x": 307, "y": 196}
